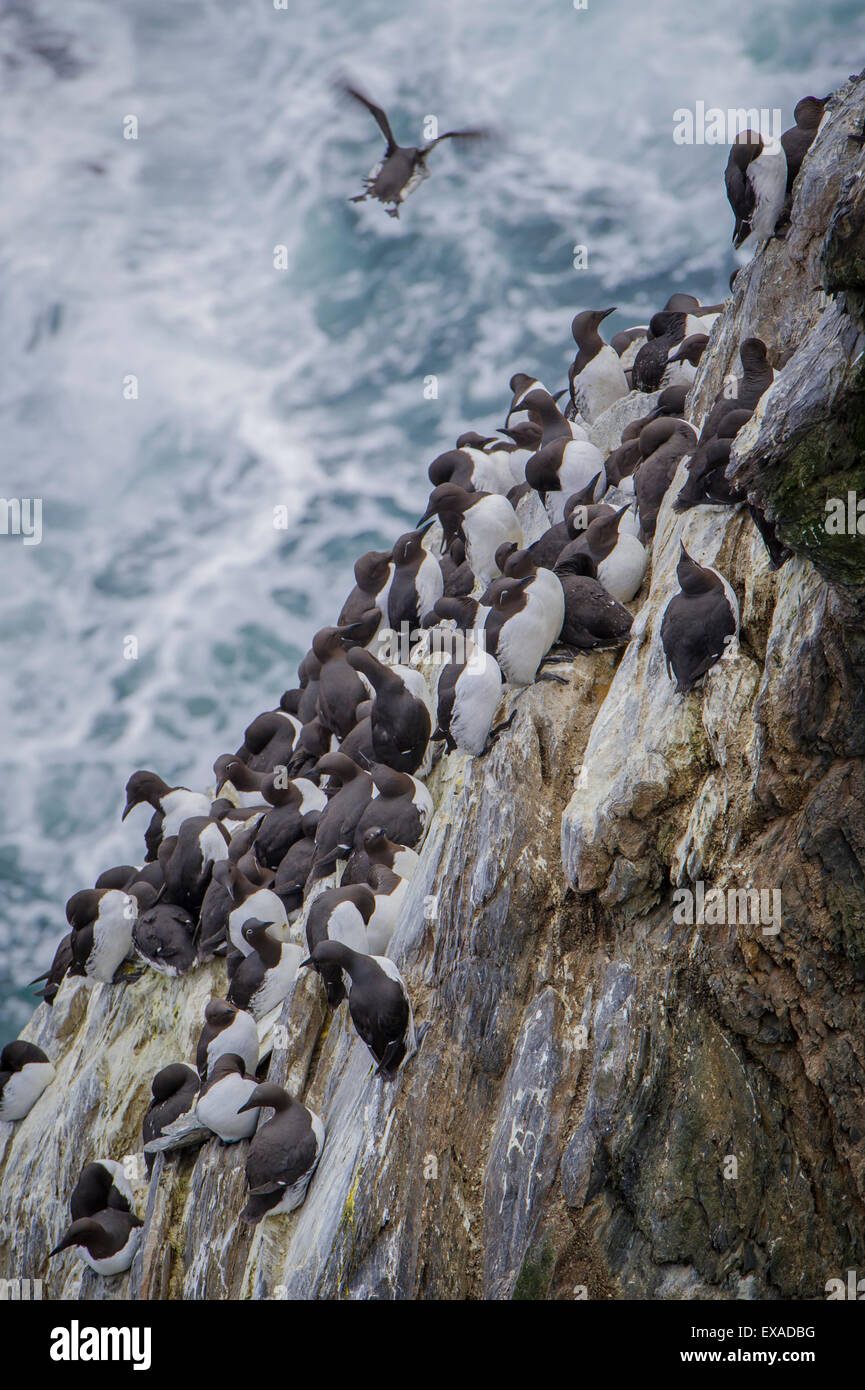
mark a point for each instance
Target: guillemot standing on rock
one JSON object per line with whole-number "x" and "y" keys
{"x": 25, "y": 1071}
{"x": 593, "y": 618}
{"x": 334, "y": 836}
{"x": 417, "y": 580}
{"x": 265, "y": 977}
{"x": 596, "y": 377}
{"x": 403, "y": 167}
{"x": 378, "y": 1002}
{"x": 340, "y": 690}
{"x": 485, "y": 519}
{"x": 106, "y": 1241}
{"x": 615, "y": 557}
{"x": 373, "y": 574}
{"x": 174, "y": 1089}
{"x": 662, "y": 443}
{"x": 400, "y": 719}
{"x": 467, "y": 697}
{"x": 283, "y": 1154}
{"x": 377, "y": 850}
{"x": 757, "y": 376}
{"x": 340, "y": 914}
{"x": 226, "y": 1029}
{"x": 562, "y": 468}
{"x": 402, "y": 807}
{"x": 221, "y": 1104}
{"x": 164, "y": 936}
{"x": 755, "y": 179}
{"x": 201, "y": 843}
{"x": 291, "y": 876}
{"x": 101, "y": 1184}
{"x": 101, "y": 922}
{"x": 699, "y": 623}
{"x": 171, "y": 805}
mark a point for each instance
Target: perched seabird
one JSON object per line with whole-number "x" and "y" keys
{"x": 291, "y": 799}
{"x": 174, "y": 1089}
{"x": 308, "y": 674}
{"x": 378, "y": 1002}
{"x": 201, "y": 843}
{"x": 562, "y": 468}
{"x": 667, "y": 330}
{"x": 221, "y": 1104}
{"x": 373, "y": 574}
{"x": 683, "y": 361}
{"x": 596, "y": 377}
{"x": 756, "y": 180}
{"x": 467, "y": 697}
{"x": 523, "y": 623}
{"x": 265, "y": 977}
{"x": 485, "y": 519}
{"x": 662, "y": 444}
{"x": 403, "y": 167}
{"x": 340, "y": 914}
{"x": 796, "y": 141}
{"x": 593, "y": 618}
{"x": 226, "y": 1029}
{"x": 57, "y": 972}
{"x": 531, "y": 396}
{"x": 106, "y": 1241}
{"x": 270, "y": 739}
{"x": 165, "y": 937}
{"x": 283, "y": 1154}
{"x": 417, "y": 580}
{"x": 25, "y": 1071}
{"x": 757, "y": 376}
{"x": 378, "y": 850}
{"x": 402, "y": 807}
{"x": 401, "y": 723}
{"x": 101, "y": 922}
{"x": 247, "y": 899}
{"x": 338, "y": 822}
{"x": 389, "y": 892}
{"x": 340, "y": 689}
{"x": 699, "y": 623}
{"x": 615, "y": 557}
{"x": 172, "y": 805}
{"x": 101, "y": 1184}
{"x": 294, "y": 870}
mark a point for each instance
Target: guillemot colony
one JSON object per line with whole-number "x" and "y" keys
{"x": 331, "y": 693}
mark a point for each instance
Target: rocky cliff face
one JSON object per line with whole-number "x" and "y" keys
{"x": 609, "y": 1101}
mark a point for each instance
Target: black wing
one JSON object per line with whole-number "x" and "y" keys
{"x": 472, "y": 133}
{"x": 376, "y": 112}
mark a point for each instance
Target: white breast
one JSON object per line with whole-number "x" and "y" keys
{"x": 267, "y": 907}
{"x": 346, "y": 924}
{"x": 487, "y": 525}
{"x": 218, "y": 1109}
{"x": 241, "y": 1037}
{"x": 179, "y": 805}
{"x": 24, "y": 1088}
{"x": 622, "y": 572}
{"x": 313, "y": 798}
{"x": 278, "y": 981}
{"x": 768, "y": 177}
{"x": 601, "y": 382}
{"x": 115, "y": 1264}
{"x": 478, "y": 692}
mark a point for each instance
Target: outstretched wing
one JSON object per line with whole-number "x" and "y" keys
{"x": 472, "y": 133}
{"x": 379, "y": 116}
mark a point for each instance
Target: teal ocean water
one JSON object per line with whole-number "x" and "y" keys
{"x": 300, "y": 387}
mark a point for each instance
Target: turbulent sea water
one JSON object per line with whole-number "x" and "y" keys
{"x": 301, "y": 387}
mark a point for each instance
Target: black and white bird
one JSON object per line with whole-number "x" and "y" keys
{"x": 283, "y": 1154}
{"x": 221, "y": 1103}
{"x": 227, "y": 1029}
{"x": 25, "y": 1072}
{"x": 468, "y": 694}
{"x": 174, "y": 1089}
{"x": 341, "y": 915}
{"x": 106, "y": 1241}
{"x": 403, "y": 167}
{"x": 101, "y": 1184}
{"x": 596, "y": 377}
{"x": 101, "y": 922}
{"x": 700, "y": 624}
{"x": 614, "y": 556}
{"x": 485, "y": 520}
{"x": 265, "y": 977}
{"x": 401, "y": 719}
{"x": 171, "y": 806}
{"x": 378, "y": 1002}
{"x": 756, "y": 182}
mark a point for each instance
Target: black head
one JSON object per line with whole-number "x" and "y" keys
{"x": 144, "y": 786}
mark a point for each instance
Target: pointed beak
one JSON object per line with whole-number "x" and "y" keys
{"x": 305, "y": 964}
{"x": 425, "y": 525}
{"x": 130, "y": 805}
{"x": 429, "y": 515}
{"x": 607, "y": 312}
{"x": 559, "y": 394}
{"x": 249, "y": 1105}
